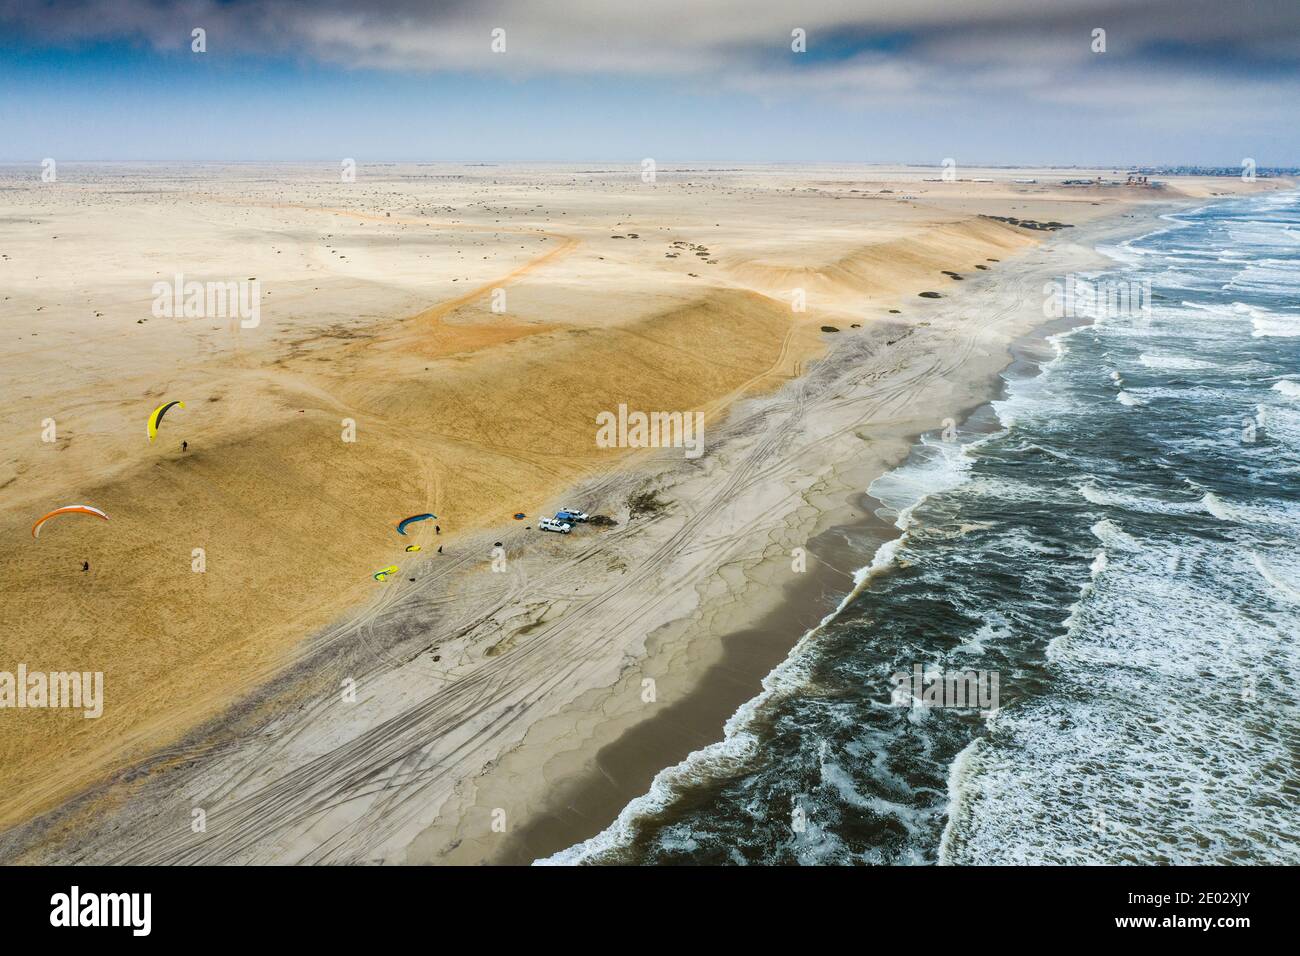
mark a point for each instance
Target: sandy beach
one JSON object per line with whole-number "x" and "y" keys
{"x": 441, "y": 338}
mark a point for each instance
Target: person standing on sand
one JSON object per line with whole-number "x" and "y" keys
{"x": 437, "y": 530}
{"x": 184, "y": 445}
{"x": 85, "y": 565}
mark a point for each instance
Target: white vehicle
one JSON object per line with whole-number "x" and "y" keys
{"x": 566, "y": 513}
{"x": 550, "y": 524}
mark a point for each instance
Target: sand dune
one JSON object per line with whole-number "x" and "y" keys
{"x": 889, "y": 269}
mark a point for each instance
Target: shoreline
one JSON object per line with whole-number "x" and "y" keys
{"x": 803, "y": 610}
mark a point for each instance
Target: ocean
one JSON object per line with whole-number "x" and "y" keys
{"x": 1114, "y": 540}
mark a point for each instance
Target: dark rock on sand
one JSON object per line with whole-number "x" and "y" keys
{"x": 930, "y": 295}
{"x": 1029, "y": 223}
{"x": 829, "y": 328}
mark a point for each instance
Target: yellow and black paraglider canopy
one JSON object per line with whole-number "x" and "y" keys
{"x": 156, "y": 417}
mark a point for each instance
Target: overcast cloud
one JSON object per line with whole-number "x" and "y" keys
{"x": 1170, "y": 62}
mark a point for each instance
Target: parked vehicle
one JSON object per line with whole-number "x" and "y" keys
{"x": 551, "y": 524}
{"x": 571, "y": 514}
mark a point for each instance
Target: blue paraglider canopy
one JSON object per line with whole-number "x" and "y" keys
{"x": 401, "y": 525}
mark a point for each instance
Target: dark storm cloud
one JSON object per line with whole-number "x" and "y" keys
{"x": 1197, "y": 53}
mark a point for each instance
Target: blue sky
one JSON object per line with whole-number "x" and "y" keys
{"x": 981, "y": 81}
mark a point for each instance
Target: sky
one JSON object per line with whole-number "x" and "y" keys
{"x": 877, "y": 81}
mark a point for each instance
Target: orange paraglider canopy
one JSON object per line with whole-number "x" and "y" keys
{"x": 67, "y": 510}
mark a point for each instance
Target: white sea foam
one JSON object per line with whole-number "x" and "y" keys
{"x": 1279, "y": 585}
{"x": 1058, "y": 646}
{"x": 1260, "y": 509}
{"x": 938, "y": 466}
{"x": 1125, "y": 252}
{"x": 1288, "y": 388}
{"x": 1216, "y": 316}
{"x": 1147, "y": 732}
{"x": 964, "y": 768}
{"x": 1262, "y": 234}
{"x": 1268, "y": 276}
{"x": 1276, "y": 324}
{"x": 1060, "y": 346}
{"x": 1219, "y": 508}
{"x": 1281, "y": 423}
{"x": 1114, "y": 537}
{"x": 1174, "y": 362}
{"x": 1127, "y": 398}
{"x": 1097, "y": 495}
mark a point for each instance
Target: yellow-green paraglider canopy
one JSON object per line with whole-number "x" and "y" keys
{"x": 156, "y": 417}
